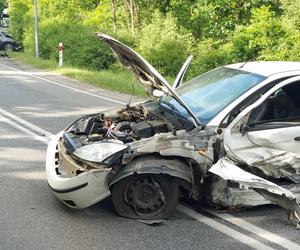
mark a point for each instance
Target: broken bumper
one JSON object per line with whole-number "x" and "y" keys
{"x": 79, "y": 191}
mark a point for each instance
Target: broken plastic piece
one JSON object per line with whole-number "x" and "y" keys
{"x": 226, "y": 169}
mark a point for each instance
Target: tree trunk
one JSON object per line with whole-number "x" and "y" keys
{"x": 132, "y": 16}
{"x": 130, "y": 5}
{"x": 138, "y": 18}
{"x": 114, "y": 17}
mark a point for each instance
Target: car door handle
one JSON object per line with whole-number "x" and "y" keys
{"x": 297, "y": 138}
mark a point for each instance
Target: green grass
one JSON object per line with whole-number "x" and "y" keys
{"x": 120, "y": 81}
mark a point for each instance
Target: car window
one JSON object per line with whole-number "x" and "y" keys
{"x": 209, "y": 93}
{"x": 249, "y": 100}
{"x": 282, "y": 106}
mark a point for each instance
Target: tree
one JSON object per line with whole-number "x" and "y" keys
{"x": 163, "y": 45}
{"x": 264, "y": 33}
{"x": 166, "y": 31}
{"x": 2, "y": 5}
{"x": 21, "y": 17}
{"x": 216, "y": 18}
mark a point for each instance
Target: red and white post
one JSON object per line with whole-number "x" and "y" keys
{"x": 60, "y": 54}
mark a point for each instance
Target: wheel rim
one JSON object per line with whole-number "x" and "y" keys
{"x": 8, "y": 47}
{"x": 145, "y": 195}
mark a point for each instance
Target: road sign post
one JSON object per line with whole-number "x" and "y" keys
{"x": 60, "y": 54}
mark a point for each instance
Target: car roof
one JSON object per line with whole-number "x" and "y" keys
{"x": 266, "y": 68}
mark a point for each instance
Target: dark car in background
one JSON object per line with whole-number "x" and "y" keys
{"x": 7, "y": 43}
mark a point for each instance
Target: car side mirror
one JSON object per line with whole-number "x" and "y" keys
{"x": 244, "y": 128}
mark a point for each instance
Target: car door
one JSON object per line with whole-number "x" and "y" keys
{"x": 266, "y": 135}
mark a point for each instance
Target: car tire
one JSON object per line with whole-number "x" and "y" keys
{"x": 8, "y": 47}
{"x": 145, "y": 196}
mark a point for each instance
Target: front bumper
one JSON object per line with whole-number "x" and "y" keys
{"x": 79, "y": 191}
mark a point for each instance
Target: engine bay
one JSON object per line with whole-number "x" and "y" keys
{"x": 126, "y": 125}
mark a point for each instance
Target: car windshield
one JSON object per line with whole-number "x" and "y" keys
{"x": 209, "y": 93}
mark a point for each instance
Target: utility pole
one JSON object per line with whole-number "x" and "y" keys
{"x": 114, "y": 18}
{"x": 36, "y": 29}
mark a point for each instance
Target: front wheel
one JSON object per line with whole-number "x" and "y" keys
{"x": 8, "y": 47}
{"x": 145, "y": 196}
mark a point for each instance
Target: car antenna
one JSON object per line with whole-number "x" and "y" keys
{"x": 132, "y": 92}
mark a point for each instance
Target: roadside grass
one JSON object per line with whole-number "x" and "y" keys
{"x": 120, "y": 80}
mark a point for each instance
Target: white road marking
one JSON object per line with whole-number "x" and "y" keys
{"x": 285, "y": 243}
{"x": 26, "y": 123}
{"x": 26, "y": 131}
{"x": 65, "y": 86}
{"x": 223, "y": 228}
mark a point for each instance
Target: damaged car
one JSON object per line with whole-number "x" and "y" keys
{"x": 229, "y": 137}
{"x": 8, "y": 44}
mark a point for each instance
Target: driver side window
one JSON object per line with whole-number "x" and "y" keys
{"x": 283, "y": 105}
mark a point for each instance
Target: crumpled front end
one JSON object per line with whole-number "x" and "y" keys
{"x": 81, "y": 158}
{"x": 75, "y": 190}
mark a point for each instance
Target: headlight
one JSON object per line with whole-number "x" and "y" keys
{"x": 98, "y": 152}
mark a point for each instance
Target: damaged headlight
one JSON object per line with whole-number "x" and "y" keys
{"x": 98, "y": 152}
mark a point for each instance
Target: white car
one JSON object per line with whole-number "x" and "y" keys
{"x": 229, "y": 137}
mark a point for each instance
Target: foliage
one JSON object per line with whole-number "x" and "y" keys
{"x": 82, "y": 48}
{"x": 163, "y": 45}
{"x": 208, "y": 54}
{"x": 2, "y": 5}
{"x": 292, "y": 13}
{"x": 21, "y": 15}
{"x": 216, "y": 18}
{"x": 263, "y": 33}
{"x": 165, "y": 32}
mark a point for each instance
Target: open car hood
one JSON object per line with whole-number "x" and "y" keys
{"x": 153, "y": 82}
{"x": 150, "y": 79}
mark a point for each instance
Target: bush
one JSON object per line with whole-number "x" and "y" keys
{"x": 21, "y": 13}
{"x": 264, "y": 33}
{"x": 288, "y": 49}
{"x": 288, "y": 45}
{"x": 162, "y": 44}
{"x": 208, "y": 54}
{"x": 82, "y": 48}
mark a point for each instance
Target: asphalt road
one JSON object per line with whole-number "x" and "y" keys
{"x": 33, "y": 106}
